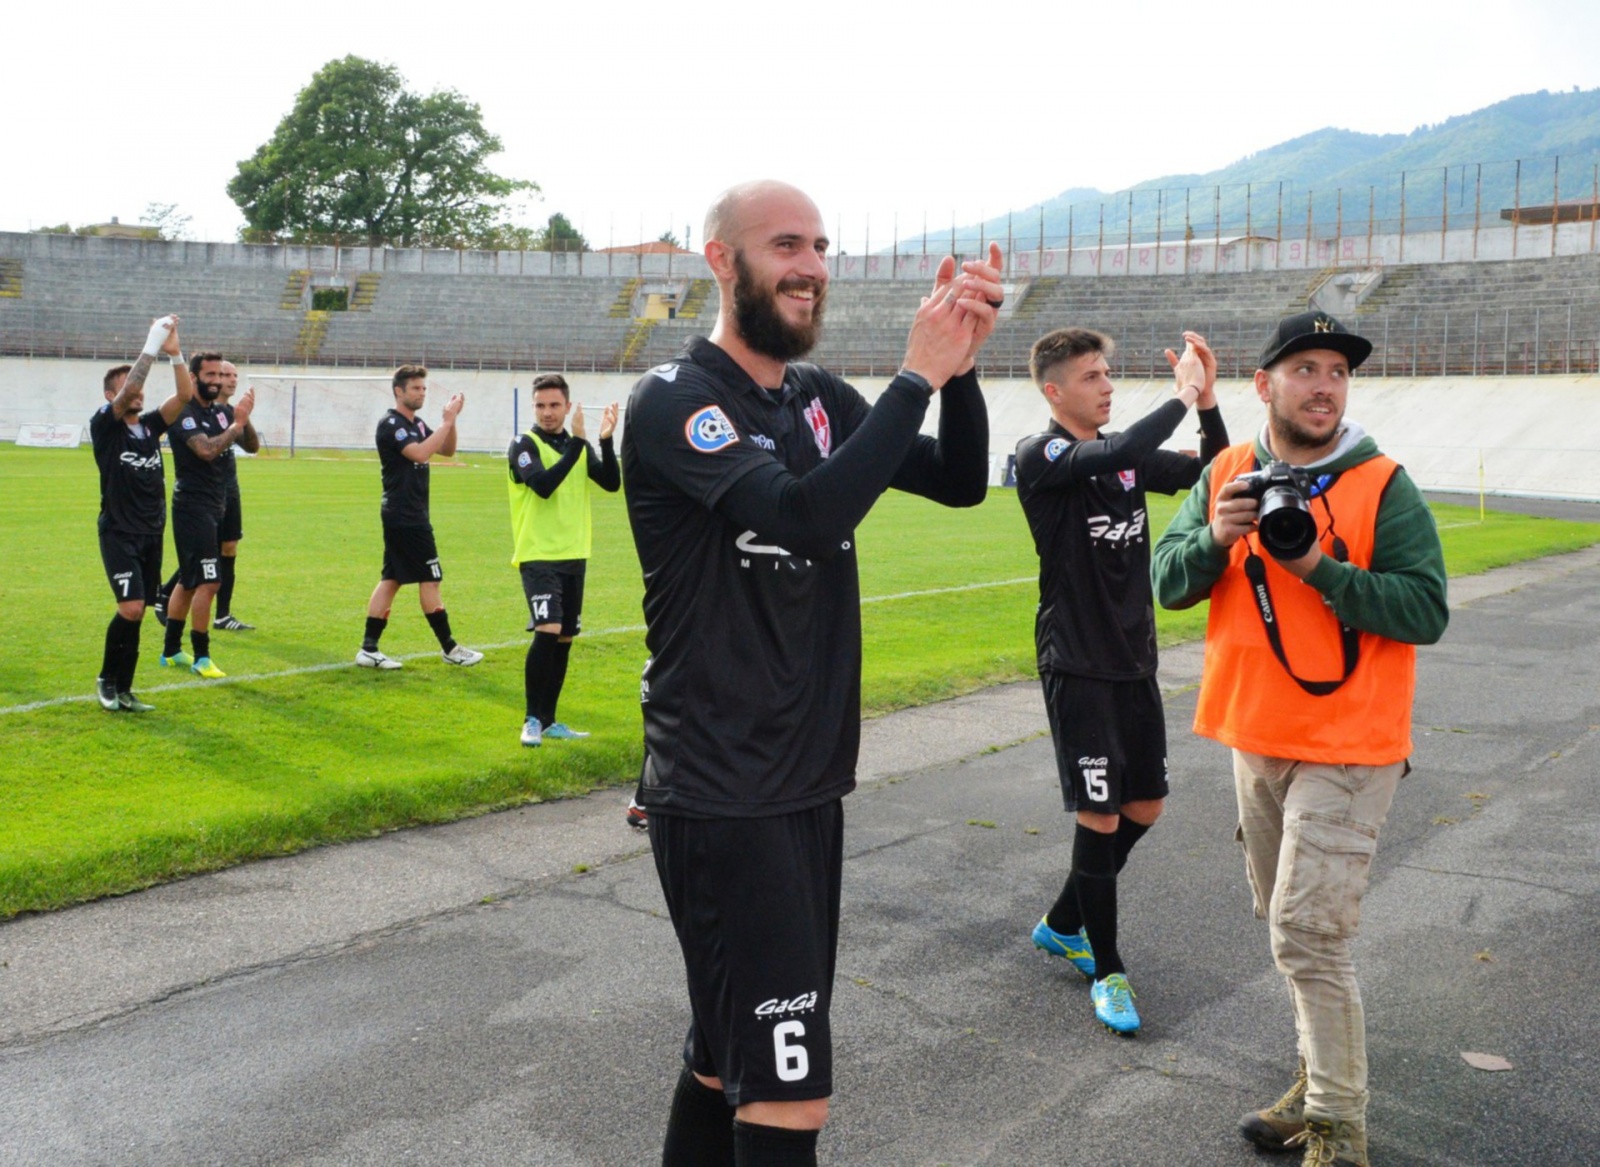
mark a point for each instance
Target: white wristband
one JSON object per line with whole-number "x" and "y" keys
{"x": 177, "y": 360}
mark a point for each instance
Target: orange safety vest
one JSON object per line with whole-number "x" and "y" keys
{"x": 1247, "y": 699}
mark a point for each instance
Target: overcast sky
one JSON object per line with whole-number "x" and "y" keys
{"x": 632, "y": 116}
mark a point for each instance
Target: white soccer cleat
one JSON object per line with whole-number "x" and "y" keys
{"x": 462, "y": 655}
{"x": 375, "y": 660}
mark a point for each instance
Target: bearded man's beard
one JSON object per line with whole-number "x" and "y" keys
{"x": 762, "y": 326}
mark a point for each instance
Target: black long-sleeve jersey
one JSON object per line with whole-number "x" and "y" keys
{"x": 744, "y": 504}
{"x": 1085, "y": 504}
{"x": 543, "y": 480}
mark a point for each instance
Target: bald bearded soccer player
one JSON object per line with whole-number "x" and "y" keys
{"x": 746, "y": 473}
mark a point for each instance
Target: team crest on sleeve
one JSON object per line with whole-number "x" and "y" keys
{"x": 820, "y": 429}
{"x": 188, "y": 423}
{"x": 525, "y": 459}
{"x": 399, "y": 435}
{"x": 1128, "y": 478}
{"x": 1054, "y": 448}
{"x": 709, "y": 430}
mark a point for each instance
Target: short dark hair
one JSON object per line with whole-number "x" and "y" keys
{"x": 201, "y": 358}
{"x": 552, "y": 381}
{"x": 112, "y": 374}
{"x": 405, "y": 374}
{"x": 1063, "y": 344}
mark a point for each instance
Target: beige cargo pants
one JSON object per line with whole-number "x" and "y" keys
{"x": 1309, "y": 831}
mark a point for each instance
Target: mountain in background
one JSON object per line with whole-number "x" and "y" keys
{"x": 1464, "y": 167}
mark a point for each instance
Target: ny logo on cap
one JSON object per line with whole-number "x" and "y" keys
{"x": 1322, "y": 324}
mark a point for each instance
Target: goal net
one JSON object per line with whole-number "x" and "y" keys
{"x": 314, "y": 411}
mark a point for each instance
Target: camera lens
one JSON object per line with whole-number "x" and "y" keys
{"x": 1285, "y": 523}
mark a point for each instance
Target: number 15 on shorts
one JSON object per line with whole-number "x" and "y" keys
{"x": 1094, "y": 778}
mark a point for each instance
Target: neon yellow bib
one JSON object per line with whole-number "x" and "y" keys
{"x": 557, "y": 527}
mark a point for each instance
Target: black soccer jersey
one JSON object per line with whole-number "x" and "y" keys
{"x": 1085, "y": 503}
{"x": 405, "y": 483}
{"x": 743, "y": 503}
{"x": 133, "y": 486}
{"x": 198, "y": 484}
{"x": 226, "y": 460}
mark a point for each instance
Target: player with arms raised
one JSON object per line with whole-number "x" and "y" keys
{"x": 133, "y": 504}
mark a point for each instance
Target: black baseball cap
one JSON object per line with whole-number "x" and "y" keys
{"x": 1308, "y": 330}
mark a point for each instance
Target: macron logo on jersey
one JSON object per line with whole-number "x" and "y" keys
{"x": 820, "y": 429}
{"x": 667, "y": 372}
{"x": 709, "y": 430}
{"x": 1054, "y": 448}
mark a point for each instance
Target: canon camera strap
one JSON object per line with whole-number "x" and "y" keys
{"x": 1255, "y": 570}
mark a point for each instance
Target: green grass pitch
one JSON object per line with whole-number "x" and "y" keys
{"x": 299, "y": 747}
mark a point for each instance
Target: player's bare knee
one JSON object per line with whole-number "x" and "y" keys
{"x": 131, "y": 610}
{"x": 1104, "y": 824}
{"x": 809, "y": 1114}
{"x": 1145, "y": 812}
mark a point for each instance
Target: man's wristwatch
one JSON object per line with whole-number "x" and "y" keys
{"x": 918, "y": 380}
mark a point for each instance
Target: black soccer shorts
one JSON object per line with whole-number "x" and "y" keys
{"x": 409, "y": 555}
{"x": 755, "y": 904}
{"x": 231, "y": 529}
{"x": 1110, "y": 739}
{"x": 132, "y": 563}
{"x": 554, "y": 590}
{"x": 194, "y": 534}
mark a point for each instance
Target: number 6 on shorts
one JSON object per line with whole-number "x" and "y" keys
{"x": 793, "y": 1061}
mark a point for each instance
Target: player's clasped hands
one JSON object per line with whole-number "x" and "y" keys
{"x": 453, "y": 406}
{"x": 1201, "y": 371}
{"x": 243, "y": 407}
{"x": 608, "y": 421}
{"x": 956, "y": 319}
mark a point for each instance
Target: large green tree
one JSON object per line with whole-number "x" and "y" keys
{"x": 361, "y": 157}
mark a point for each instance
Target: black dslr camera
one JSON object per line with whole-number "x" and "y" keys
{"x": 1283, "y": 518}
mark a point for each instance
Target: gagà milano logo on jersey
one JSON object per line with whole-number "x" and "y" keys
{"x": 820, "y": 429}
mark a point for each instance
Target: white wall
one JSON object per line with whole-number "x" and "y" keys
{"x": 1532, "y": 435}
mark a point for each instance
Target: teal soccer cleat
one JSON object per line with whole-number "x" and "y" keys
{"x": 1072, "y": 945}
{"x": 1113, "y": 1005}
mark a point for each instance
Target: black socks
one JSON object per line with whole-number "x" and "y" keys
{"x": 1064, "y": 916}
{"x": 201, "y": 642}
{"x": 375, "y": 627}
{"x": 121, "y": 652}
{"x": 544, "y": 671}
{"x": 1094, "y": 870}
{"x": 225, "y": 588}
{"x": 699, "y": 1127}
{"x": 772, "y": 1146}
{"x": 439, "y": 621}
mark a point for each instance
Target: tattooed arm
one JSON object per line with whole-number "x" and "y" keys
{"x": 208, "y": 448}
{"x": 131, "y": 395}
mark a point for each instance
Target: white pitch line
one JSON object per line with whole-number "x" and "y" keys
{"x": 333, "y": 665}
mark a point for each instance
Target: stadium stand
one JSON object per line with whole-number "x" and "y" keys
{"x": 1500, "y": 317}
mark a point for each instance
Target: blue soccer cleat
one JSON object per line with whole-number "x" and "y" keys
{"x": 530, "y": 732}
{"x": 1113, "y": 1005}
{"x": 561, "y": 731}
{"x": 1072, "y": 945}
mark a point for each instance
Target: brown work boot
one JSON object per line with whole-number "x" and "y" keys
{"x": 1333, "y": 1143}
{"x": 1272, "y": 1128}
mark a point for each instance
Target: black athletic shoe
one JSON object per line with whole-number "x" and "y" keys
{"x": 105, "y": 692}
{"x": 128, "y": 703}
{"x": 232, "y": 623}
{"x": 637, "y": 818}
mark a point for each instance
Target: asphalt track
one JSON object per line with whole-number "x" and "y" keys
{"x": 464, "y": 995}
